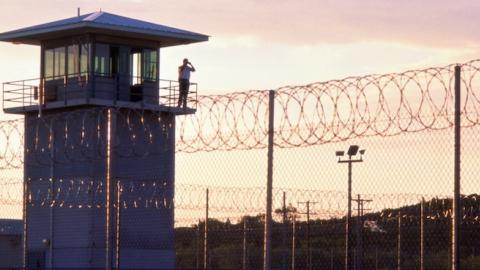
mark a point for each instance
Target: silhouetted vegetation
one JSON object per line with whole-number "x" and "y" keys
{"x": 327, "y": 238}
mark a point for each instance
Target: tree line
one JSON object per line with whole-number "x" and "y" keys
{"x": 380, "y": 233}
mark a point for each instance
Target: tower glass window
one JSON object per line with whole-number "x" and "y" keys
{"x": 59, "y": 71}
{"x": 136, "y": 67}
{"x": 48, "y": 64}
{"x": 102, "y": 60}
{"x": 84, "y": 48}
{"x": 54, "y": 63}
{"x": 150, "y": 59}
{"x": 73, "y": 61}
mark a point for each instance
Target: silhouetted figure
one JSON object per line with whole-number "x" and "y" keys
{"x": 184, "y": 81}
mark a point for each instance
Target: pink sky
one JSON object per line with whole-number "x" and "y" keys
{"x": 268, "y": 44}
{"x": 265, "y": 44}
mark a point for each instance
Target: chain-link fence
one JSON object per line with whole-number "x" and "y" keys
{"x": 402, "y": 189}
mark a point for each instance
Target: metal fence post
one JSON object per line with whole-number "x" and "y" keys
{"x": 294, "y": 221}
{"x": 268, "y": 213}
{"x": 284, "y": 232}
{"x": 26, "y": 191}
{"x": 456, "y": 199}
{"x": 309, "y": 251}
{"x": 52, "y": 187}
{"x": 358, "y": 233}
{"x": 205, "y": 238}
{"x": 118, "y": 225}
{"x": 197, "y": 245}
{"x": 399, "y": 243}
{"x": 244, "y": 251}
{"x": 422, "y": 234}
{"x": 111, "y": 123}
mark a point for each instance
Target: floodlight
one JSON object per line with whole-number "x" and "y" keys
{"x": 352, "y": 150}
{"x": 340, "y": 153}
{"x": 362, "y": 152}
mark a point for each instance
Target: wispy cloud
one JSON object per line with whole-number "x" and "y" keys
{"x": 437, "y": 23}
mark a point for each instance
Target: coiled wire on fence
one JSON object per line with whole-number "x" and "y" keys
{"x": 318, "y": 113}
{"x": 228, "y": 202}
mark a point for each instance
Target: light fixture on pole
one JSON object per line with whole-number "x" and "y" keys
{"x": 352, "y": 151}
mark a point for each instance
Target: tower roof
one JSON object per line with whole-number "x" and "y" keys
{"x": 103, "y": 23}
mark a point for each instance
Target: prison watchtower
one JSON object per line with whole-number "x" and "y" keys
{"x": 99, "y": 123}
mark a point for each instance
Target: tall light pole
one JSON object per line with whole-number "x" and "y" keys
{"x": 352, "y": 151}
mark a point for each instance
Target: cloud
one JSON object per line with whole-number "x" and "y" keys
{"x": 270, "y": 43}
{"x": 428, "y": 22}
{"x": 431, "y": 23}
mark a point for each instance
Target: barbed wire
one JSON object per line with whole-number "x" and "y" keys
{"x": 332, "y": 111}
{"x": 227, "y": 202}
{"x": 318, "y": 113}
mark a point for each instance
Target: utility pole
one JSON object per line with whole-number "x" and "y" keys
{"x": 359, "y": 233}
{"x": 309, "y": 250}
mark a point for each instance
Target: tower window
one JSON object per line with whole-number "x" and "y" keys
{"x": 136, "y": 67}
{"x": 59, "y": 62}
{"x": 49, "y": 64}
{"x": 84, "y": 48}
{"x": 150, "y": 60}
{"x": 73, "y": 61}
{"x": 54, "y": 63}
{"x": 102, "y": 58}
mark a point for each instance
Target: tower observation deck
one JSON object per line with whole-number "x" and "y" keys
{"x": 98, "y": 59}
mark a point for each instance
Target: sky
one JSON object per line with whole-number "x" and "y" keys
{"x": 266, "y": 44}
{"x": 257, "y": 45}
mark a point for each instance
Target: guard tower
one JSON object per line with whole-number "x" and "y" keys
{"x": 99, "y": 122}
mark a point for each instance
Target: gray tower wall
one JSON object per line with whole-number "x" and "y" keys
{"x": 145, "y": 161}
{"x": 66, "y": 170}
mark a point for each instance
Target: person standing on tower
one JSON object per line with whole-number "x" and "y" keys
{"x": 184, "y": 81}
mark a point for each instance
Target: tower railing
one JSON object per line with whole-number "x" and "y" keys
{"x": 72, "y": 89}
